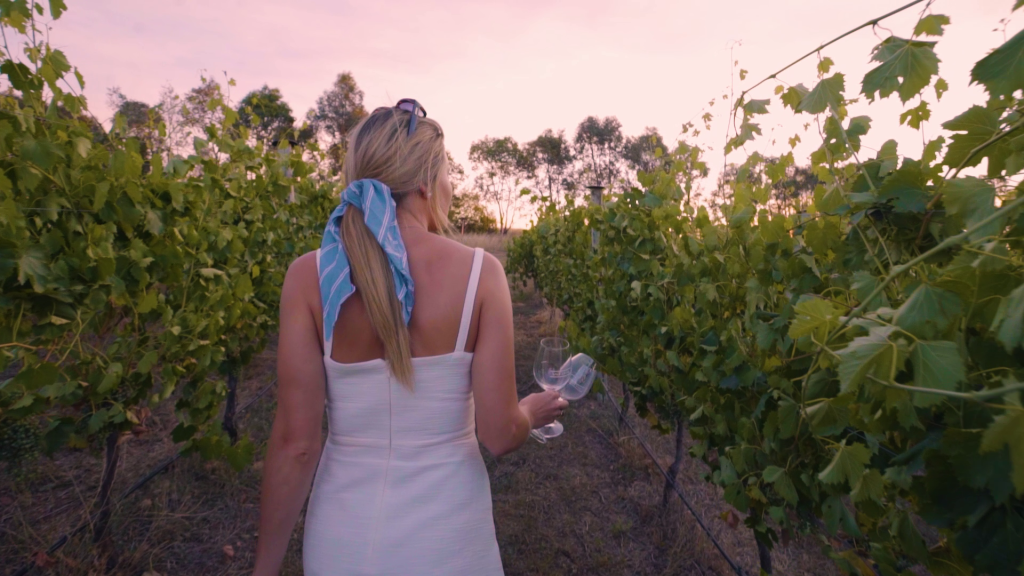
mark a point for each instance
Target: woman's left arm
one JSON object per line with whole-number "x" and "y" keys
{"x": 293, "y": 450}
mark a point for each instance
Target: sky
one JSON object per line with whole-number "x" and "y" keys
{"x": 516, "y": 67}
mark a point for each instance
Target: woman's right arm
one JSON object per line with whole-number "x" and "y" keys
{"x": 293, "y": 450}
{"x": 503, "y": 423}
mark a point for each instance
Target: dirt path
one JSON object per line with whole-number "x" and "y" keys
{"x": 588, "y": 502}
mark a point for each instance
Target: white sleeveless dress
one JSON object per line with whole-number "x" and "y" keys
{"x": 401, "y": 487}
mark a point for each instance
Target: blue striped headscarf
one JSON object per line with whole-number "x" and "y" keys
{"x": 374, "y": 199}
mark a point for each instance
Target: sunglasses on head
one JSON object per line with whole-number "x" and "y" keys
{"x": 411, "y": 106}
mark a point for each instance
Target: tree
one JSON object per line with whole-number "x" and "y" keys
{"x": 265, "y": 113}
{"x": 456, "y": 173}
{"x": 789, "y": 187}
{"x": 689, "y": 166}
{"x": 201, "y": 105}
{"x": 336, "y": 112}
{"x": 468, "y": 213}
{"x": 794, "y": 192}
{"x": 503, "y": 167}
{"x": 553, "y": 157}
{"x": 638, "y": 152}
{"x": 598, "y": 145}
{"x": 721, "y": 194}
{"x": 187, "y": 115}
{"x": 178, "y": 136}
{"x": 141, "y": 120}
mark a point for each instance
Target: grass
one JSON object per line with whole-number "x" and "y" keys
{"x": 588, "y": 502}
{"x": 496, "y": 244}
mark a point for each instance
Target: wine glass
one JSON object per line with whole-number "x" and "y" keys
{"x": 581, "y": 377}
{"x": 549, "y": 370}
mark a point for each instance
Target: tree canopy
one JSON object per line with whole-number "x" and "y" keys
{"x": 265, "y": 113}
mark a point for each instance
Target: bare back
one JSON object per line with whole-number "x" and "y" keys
{"x": 440, "y": 269}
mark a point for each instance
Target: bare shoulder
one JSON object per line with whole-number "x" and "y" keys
{"x": 301, "y": 280}
{"x": 492, "y": 266}
{"x": 492, "y": 277}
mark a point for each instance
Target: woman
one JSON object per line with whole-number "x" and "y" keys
{"x": 401, "y": 487}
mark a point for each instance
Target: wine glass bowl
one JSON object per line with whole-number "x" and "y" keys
{"x": 581, "y": 369}
{"x": 548, "y": 368}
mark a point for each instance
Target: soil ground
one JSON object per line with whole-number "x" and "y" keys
{"x": 587, "y": 503}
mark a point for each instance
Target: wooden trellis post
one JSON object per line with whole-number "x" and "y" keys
{"x": 596, "y": 191}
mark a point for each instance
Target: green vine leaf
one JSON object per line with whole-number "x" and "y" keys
{"x": 863, "y": 284}
{"x": 57, "y": 7}
{"x": 773, "y": 473}
{"x": 1008, "y": 324}
{"x": 828, "y": 93}
{"x": 873, "y": 355}
{"x": 977, "y": 125}
{"x": 746, "y": 133}
{"x": 931, "y": 25}
{"x": 928, "y": 312}
{"x": 1008, "y": 430}
{"x": 33, "y": 267}
{"x": 889, "y": 157}
{"x": 147, "y": 362}
{"x": 756, "y": 107}
{"x": 972, "y": 199}
{"x": 830, "y": 417}
{"x": 907, "y": 67}
{"x": 814, "y": 316}
{"x": 847, "y": 466}
{"x": 916, "y": 116}
{"x": 906, "y": 188}
{"x": 937, "y": 365}
{"x": 794, "y": 95}
{"x": 835, "y": 514}
{"x": 825, "y": 65}
{"x": 782, "y": 483}
{"x": 1002, "y": 71}
{"x": 909, "y": 538}
{"x": 871, "y": 486}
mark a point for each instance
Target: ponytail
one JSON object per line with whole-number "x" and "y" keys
{"x": 381, "y": 148}
{"x": 371, "y": 275}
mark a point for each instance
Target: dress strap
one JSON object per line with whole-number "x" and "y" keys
{"x": 467, "y": 307}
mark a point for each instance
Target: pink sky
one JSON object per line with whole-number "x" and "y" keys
{"x": 515, "y": 67}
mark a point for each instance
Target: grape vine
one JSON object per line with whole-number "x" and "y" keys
{"x": 852, "y": 366}
{"x": 129, "y": 277}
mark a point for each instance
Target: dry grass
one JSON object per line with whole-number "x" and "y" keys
{"x": 179, "y": 523}
{"x": 496, "y": 244}
{"x": 588, "y": 502}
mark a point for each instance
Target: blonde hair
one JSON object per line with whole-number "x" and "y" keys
{"x": 381, "y": 148}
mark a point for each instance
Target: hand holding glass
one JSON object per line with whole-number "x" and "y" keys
{"x": 549, "y": 373}
{"x": 571, "y": 376}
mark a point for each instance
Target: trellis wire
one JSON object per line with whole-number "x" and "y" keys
{"x": 672, "y": 481}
